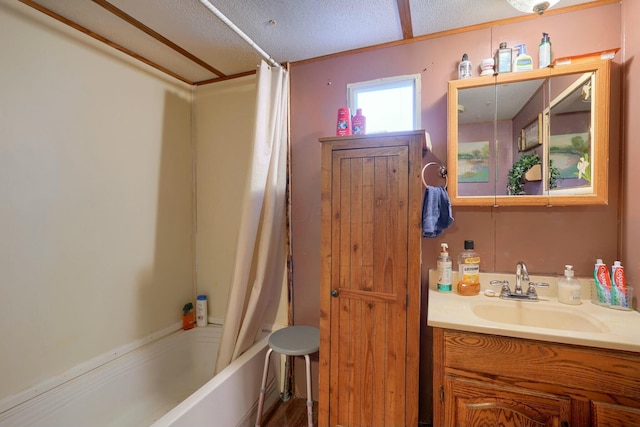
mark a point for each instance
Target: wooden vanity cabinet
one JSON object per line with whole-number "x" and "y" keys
{"x": 490, "y": 380}
{"x": 370, "y": 279}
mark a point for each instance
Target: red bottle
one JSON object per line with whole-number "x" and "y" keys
{"x": 359, "y": 123}
{"x": 344, "y": 122}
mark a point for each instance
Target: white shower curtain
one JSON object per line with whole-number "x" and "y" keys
{"x": 260, "y": 260}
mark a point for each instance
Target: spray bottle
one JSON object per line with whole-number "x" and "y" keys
{"x": 444, "y": 269}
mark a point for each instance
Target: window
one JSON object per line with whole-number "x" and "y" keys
{"x": 389, "y": 104}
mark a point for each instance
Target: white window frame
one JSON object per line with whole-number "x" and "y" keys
{"x": 389, "y": 83}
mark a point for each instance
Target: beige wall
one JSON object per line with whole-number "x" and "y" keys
{"x": 106, "y": 167}
{"x": 545, "y": 238}
{"x": 96, "y": 246}
{"x": 224, "y": 115}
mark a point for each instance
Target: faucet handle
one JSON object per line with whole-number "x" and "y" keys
{"x": 539, "y": 284}
{"x": 505, "y": 291}
{"x": 531, "y": 290}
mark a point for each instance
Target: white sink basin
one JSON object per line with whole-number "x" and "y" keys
{"x": 535, "y": 314}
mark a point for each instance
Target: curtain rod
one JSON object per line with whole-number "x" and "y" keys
{"x": 239, "y": 32}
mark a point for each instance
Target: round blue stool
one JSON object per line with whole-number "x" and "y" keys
{"x": 291, "y": 341}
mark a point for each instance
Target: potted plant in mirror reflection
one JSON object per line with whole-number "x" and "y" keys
{"x": 515, "y": 185}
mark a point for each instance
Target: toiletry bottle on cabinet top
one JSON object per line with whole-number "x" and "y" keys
{"x": 523, "y": 61}
{"x": 503, "y": 59}
{"x": 358, "y": 123}
{"x": 544, "y": 51}
{"x": 343, "y": 125}
{"x": 464, "y": 68}
{"x": 468, "y": 270}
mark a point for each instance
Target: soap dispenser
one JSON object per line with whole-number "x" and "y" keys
{"x": 569, "y": 288}
{"x": 444, "y": 264}
{"x": 523, "y": 62}
{"x": 544, "y": 51}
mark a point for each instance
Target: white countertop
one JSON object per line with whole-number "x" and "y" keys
{"x": 620, "y": 328}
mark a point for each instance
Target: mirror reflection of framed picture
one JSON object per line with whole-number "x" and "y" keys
{"x": 531, "y": 134}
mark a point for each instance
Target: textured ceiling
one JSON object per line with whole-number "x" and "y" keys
{"x": 185, "y": 39}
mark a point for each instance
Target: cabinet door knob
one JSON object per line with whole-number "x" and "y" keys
{"x": 334, "y": 292}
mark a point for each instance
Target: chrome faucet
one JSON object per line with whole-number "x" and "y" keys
{"x": 521, "y": 274}
{"x": 518, "y": 294}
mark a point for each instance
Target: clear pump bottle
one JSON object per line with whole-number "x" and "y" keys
{"x": 569, "y": 288}
{"x": 444, "y": 269}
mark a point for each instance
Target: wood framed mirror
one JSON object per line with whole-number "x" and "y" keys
{"x": 534, "y": 138}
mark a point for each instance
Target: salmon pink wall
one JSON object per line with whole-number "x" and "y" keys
{"x": 631, "y": 151}
{"x": 545, "y": 238}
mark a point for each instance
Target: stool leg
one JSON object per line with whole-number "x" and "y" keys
{"x": 263, "y": 388}
{"x": 309, "y": 396}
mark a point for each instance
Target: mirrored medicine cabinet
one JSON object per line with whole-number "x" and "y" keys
{"x": 534, "y": 138}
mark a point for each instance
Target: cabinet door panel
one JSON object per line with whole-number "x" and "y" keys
{"x": 368, "y": 315}
{"x": 471, "y": 403}
{"x": 370, "y": 280}
{"x": 608, "y": 415}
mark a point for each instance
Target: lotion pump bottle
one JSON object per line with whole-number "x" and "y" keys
{"x": 544, "y": 51}
{"x": 523, "y": 62}
{"x": 444, "y": 269}
{"x": 569, "y": 288}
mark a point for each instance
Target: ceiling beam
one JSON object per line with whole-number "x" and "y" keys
{"x": 104, "y": 40}
{"x": 404, "y": 12}
{"x": 159, "y": 37}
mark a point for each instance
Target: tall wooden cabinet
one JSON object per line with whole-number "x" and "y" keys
{"x": 370, "y": 279}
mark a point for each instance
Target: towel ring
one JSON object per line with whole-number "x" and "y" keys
{"x": 442, "y": 171}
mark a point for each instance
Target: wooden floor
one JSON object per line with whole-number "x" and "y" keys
{"x": 292, "y": 413}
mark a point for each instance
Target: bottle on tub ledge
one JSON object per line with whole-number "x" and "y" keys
{"x": 188, "y": 318}
{"x": 201, "y": 310}
{"x": 468, "y": 270}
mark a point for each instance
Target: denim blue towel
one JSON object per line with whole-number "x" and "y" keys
{"x": 436, "y": 212}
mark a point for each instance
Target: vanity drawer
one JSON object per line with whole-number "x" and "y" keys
{"x": 607, "y": 371}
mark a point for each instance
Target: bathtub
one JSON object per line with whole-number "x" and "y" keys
{"x": 167, "y": 382}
